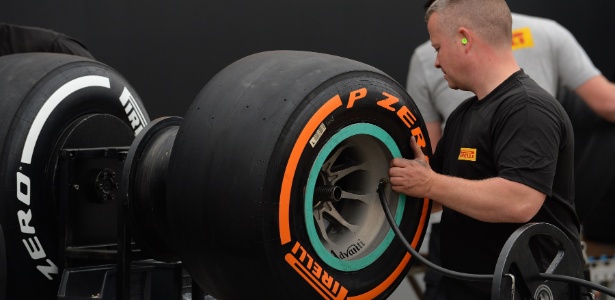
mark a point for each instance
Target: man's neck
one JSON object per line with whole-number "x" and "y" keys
{"x": 496, "y": 71}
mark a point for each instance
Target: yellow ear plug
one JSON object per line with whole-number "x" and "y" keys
{"x": 464, "y": 41}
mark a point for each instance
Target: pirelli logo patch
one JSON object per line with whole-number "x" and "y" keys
{"x": 522, "y": 38}
{"x": 468, "y": 154}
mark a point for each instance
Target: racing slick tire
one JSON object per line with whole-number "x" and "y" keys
{"x": 45, "y": 98}
{"x": 273, "y": 179}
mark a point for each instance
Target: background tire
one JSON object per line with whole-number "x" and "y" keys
{"x": 43, "y": 97}
{"x": 273, "y": 178}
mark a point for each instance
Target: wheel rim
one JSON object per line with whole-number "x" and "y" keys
{"x": 345, "y": 221}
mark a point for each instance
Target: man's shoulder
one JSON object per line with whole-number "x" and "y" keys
{"x": 528, "y": 92}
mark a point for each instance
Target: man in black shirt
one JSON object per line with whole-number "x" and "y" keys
{"x": 21, "y": 39}
{"x": 506, "y": 155}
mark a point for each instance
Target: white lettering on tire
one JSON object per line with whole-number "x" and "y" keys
{"x": 135, "y": 117}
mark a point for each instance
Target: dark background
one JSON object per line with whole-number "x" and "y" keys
{"x": 168, "y": 50}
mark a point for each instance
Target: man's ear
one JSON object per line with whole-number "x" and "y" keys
{"x": 465, "y": 37}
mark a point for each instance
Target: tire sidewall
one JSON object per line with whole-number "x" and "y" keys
{"x": 358, "y": 98}
{"x": 31, "y": 209}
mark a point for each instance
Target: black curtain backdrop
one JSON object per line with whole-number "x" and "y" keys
{"x": 168, "y": 50}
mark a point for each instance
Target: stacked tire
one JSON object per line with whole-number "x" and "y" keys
{"x": 43, "y": 96}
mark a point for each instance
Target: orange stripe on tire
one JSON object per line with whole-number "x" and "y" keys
{"x": 289, "y": 174}
{"x": 287, "y": 182}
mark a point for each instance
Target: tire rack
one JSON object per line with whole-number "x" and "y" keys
{"x": 122, "y": 258}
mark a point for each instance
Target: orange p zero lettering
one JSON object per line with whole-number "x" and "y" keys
{"x": 386, "y": 103}
{"x": 522, "y": 38}
{"x": 313, "y": 273}
{"x": 406, "y": 116}
{"x": 356, "y": 95}
{"x": 468, "y": 154}
{"x": 420, "y": 138}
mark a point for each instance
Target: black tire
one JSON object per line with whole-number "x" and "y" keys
{"x": 44, "y": 97}
{"x": 248, "y": 176}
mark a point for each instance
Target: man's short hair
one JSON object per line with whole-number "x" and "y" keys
{"x": 428, "y": 4}
{"x": 490, "y": 19}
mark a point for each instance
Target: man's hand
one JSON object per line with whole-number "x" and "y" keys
{"x": 412, "y": 177}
